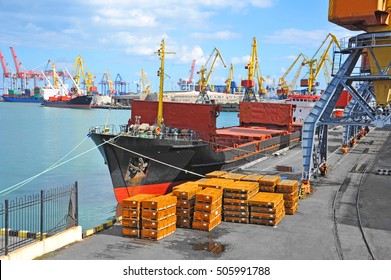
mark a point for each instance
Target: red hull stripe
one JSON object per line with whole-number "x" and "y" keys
{"x": 125, "y": 192}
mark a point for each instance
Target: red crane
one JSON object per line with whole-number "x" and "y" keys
{"x": 4, "y": 66}
{"x": 191, "y": 73}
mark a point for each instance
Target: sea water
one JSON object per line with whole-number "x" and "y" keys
{"x": 33, "y": 138}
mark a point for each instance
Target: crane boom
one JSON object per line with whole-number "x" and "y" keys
{"x": 316, "y": 66}
{"x": 205, "y": 78}
{"x": 17, "y": 63}
{"x": 229, "y": 80}
{"x": 6, "y": 74}
{"x": 252, "y": 67}
{"x": 283, "y": 87}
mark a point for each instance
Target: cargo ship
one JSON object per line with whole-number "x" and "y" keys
{"x": 25, "y": 96}
{"x": 69, "y": 101}
{"x": 154, "y": 151}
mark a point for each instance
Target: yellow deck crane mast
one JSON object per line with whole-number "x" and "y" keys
{"x": 316, "y": 65}
{"x": 203, "y": 82}
{"x": 261, "y": 90}
{"x": 253, "y": 68}
{"x": 283, "y": 87}
{"x": 80, "y": 71}
{"x": 228, "y": 81}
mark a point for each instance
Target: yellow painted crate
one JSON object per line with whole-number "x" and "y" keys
{"x": 205, "y": 216}
{"x": 186, "y": 191}
{"x": 244, "y": 187}
{"x": 266, "y": 199}
{"x": 230, "y": 207}
{"x": 131, "y": 223}
{"x": 233, "y": 176}
{"x": 267, "y": 188}
{"x": 207, "y": 226}
{"x": 156, "y": 215}
{"x": 186, "y": 213}
{"x": 267, "y": 222}
{"x": 185, "y": 203}
{"x": 134, "y": 202}
{"x": 159, "y": 202}
{"x": 209, "y": 195}
{"x": 287, "y": 186}
{"x": 208, "y": 207}
{"x": 291, "y": 196}
{"x": 270, "y": 180}
{"x": 234, "y": 201}
{"x": 215, "y": 174}
{"x": 261, "y": 209}
{"x": 266, "y": 216}
{"x": 242, "y": 220}
{"x": 241, "y": 214}
{"x": 218, "y": 183}
{"x": 130, "y": 232}
{"x": 252, "y": 178}
{"x": 237, "y": 195}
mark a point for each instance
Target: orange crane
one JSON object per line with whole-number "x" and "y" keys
{"x": 80, "y": 71}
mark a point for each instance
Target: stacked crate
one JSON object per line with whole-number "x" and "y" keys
{"x": 290, "y": 191}
{"x": 215, "y": 174}
{"x": 158, "y": 216}
{"x": 185, "y": 194}
{"x": 218, "y": 183}
{"x": 268, "y": 183}
{"x": 235, "y": 201}
{"x": 267, "y": 208}
{"x": 233, "y": 176}
{"x": 131, "y": 214}
{"x": 208, "y": 207}
{"x": 252, "y": 178}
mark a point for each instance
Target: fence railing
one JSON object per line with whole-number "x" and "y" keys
{"x": 34, "y": 217}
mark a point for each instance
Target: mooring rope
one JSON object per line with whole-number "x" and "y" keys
{"x": 53, "y": 166}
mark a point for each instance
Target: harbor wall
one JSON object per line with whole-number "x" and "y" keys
{"x": 45, "y": 246}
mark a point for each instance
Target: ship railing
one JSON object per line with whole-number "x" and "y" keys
{"x": 31, "y": 218}
{"x": 107, "y": 129}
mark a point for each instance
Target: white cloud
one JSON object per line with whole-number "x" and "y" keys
{"x": 219, "y": 35}
{"x": 240, "y": 60}
{"x": 32, "y": 27}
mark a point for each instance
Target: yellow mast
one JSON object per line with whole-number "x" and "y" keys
{"x": 161, "y": 52}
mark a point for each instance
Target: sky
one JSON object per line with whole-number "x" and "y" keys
{"x": 122, "y": 36}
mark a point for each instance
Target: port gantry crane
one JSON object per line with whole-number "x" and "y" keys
{"x": 80, "y": 71}
{"x": 253, "y": 71}
{"x": 317, "y": 64}
{"x": 107, "y": 82}
{"x": 283, "y": 88}
{"x": 203, "y": 82}
{"x": 370, "y": 88}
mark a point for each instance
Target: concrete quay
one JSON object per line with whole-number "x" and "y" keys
{"x": 326, "y": 226}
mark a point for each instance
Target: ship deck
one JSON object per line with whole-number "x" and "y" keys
{"x": 326, "y": 225}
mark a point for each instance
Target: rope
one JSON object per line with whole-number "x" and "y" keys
{"x": 53, "y": 166}
{"x": 155, "y": 160}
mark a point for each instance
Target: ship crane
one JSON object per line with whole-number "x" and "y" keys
{"x": 283, "y": 88}
{"x": 316, "y": 64}
{"x": 253, "y": 70}
{"x": 205, "y": 78}
{"x": 80, "y": 71}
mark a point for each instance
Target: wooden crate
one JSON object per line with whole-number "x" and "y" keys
{"x": 134, "y": 202}
{"x": 287, "y": 186}
{"x": 291, "y": 196}
{"x": 233, "y": 176}
{"x": 267, "y": 188}
{"x": 262, "y": 209}
{"x": 270, "y": 180}
{"x": 130, "y": 232}
{"x": 209, "y": 195}
{"x": 186, "y": 213}
{"x": 242, "y": 220}
{"x": 243, "y": 187}
{"x": 215, "y": 174}
{"x": 291, "y": 203}
{"x": 205, "y": 216}
{"x": 266, "y": 199}
{"x": 217, "y": 183}
{"x": 208, "y": 207}
{"x": 184, "y": 222}
{"x": 159, "y": 202}
{"x": 291, "y": 210}
{"x": 132, "y": 223}
{"x": 233, "y": 201}
{"x": 151, "y": 224}
{"x": 207, "y": 226}
{"x": 239, "y": 208}
{"x": 266, "y": 216}
{"x": 267, "y": 222}
{"x": 238, "y": 195}
{"x": 241, "y": 214}
{"x": 186, "y": 190}
{"x": 157, "y": 215}
{"x": 185, "y": 204}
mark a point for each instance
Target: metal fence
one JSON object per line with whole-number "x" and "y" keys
{"x": 34, "y": 217}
